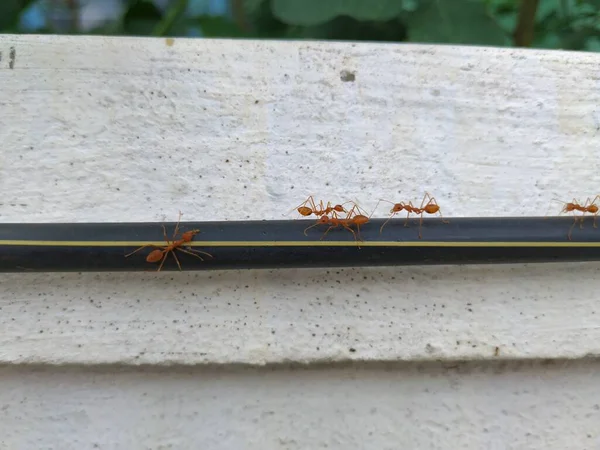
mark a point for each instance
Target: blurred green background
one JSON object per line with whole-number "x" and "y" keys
{"x": 550, "y": 24}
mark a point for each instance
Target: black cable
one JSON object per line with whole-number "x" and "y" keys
{"x": 86, "y": 247}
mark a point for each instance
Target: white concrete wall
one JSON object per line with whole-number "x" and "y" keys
{"x": 124, "y": 129}
{"x": 493, "y": 406}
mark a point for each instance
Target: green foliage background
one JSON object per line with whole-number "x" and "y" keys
{"x": 552, "y": 24}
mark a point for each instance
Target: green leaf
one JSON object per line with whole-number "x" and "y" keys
{"x": 593, "y": 44}
{"x": 455, "y": 22}
{"x": 547, "y": 40}
{"x": 508, "y": 22}
{"x": 171, "y": 18}
{"x": 214, "y": 26}
{"x": 252, "y": 5}
{"x": 10, "y": 11}
{"x": 546, "y": 8}
{"x": 141, "y": 18}
{"x": 410, "y": 5}
{"x": 265, "y": 25}
{"x": 346, "y": 28}
{"x": 316, "y": 12}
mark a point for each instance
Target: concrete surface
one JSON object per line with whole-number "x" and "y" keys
{"x": 128, "y": 129}
{"x": 495, "y": 406}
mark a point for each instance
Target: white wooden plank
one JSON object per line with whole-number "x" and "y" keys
{"x": 128, "y": 129}
{"x": 533, "y": 406}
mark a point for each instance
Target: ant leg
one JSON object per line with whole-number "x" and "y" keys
{"x": 571, "y": 229}
{"x": 195, "y": 253}
{"x": 583, "y": 214}
{"x": 176, "y": 259}
{"x": 176, "y": 227}
{"x": 585, "y": 206}
{"x": 325, "y": 234}
{"x": 382, "y": 200}
{"x": 433, "y": 201}
{"x": 312, "y": 203}
{"x": 352, "y": 211}
{"x": 322, "y": 208}
{"x": 425, "y": 197}
{"x": 314, "y": 225}
{"x": 166, "y": 237}
{"x": 301, "y": 204}
{"x": 384, "y": 223}
{"x": 588, "y": 203}
{"x": 342, "y": 205}
{"x": 143, "y": 246}
{"x": 408, "y": 207}
{"x": 193, "y": 250}
{"x": 354, "y": 234}
{"x": 376, "y": 205}
{"x": 310, "y": 200}
{"x": 163, "y": 261}
{"x": 351, "y": 231}
{"x": 442, "y": 217}
{"x": 593, "y": 202}
{"x": 421, "y": 226}
{"x": 362, "y": 211}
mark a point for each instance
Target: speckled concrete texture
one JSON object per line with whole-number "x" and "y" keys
{"x": 496, "y": 406}
{"x": 114, "y": 129}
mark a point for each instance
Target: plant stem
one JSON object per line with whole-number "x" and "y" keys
{"x": 174, "y": 12}
{"x": 523, "y": 36}
{"x": 239, "y": 15}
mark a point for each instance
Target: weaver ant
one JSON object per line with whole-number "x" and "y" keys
{"x": 309, "y": 207}
{"x": 355, "y": 217}
{"x": 174, "y": 244}
{"x": 429, "y": 207}
{"x": 588, "y": 207}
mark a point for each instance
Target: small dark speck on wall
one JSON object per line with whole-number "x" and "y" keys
{"x": 12, "y": 56}
{"x": 352, "y": 350}
{"x": 346, "y": 76}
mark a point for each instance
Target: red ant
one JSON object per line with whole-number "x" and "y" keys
{"x": 354, "y": 217}
{"x": 429, "y": 207}
{"x": 320, "y": 210}
{"x": 588, "y": 207}
{"x": 175, "y": 244}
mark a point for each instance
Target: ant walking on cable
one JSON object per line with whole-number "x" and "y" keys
{"x": 588, "y": 207}
{"x": 355, "y": 217}
{"x": 309, "y": 207}
{"x": 162, "y": 252}
{"x": 429, "y": 205}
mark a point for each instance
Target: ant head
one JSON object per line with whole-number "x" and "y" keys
{"x": 568, "y": 207}
{"x": 339, "y": 208}
{"x": 189, "y": 235}
{"x": 154, "y": 256}
{"x": 593, "y": 209}
{"x": 305, "y": 210}
{"x": 324, "y": 220}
